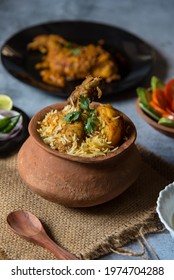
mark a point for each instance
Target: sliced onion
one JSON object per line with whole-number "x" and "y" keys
{"x": 15, "y": 130}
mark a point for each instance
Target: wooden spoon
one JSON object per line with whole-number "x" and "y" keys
{"x": 26, "y": 225}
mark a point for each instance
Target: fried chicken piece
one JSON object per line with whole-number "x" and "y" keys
{"x": 43, "y": 42}
{"x": 75, "y": 128}
{"x": 66, "y": 61}
{"x": 89, "y": 88}
{"x": 114, "y": 124}
{"x": 105, "y": 68}
{"x": 71, "y": 130}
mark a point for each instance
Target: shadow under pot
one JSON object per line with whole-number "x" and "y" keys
{"x": 77, "y": 181}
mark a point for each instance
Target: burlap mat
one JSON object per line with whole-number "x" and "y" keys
{"x": 88, "y": 233}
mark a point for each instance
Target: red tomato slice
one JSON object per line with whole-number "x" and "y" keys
{"x": 158, "y": 97}
{"x": 157, "y": 108}
{"x": 172, "y": 105}
{"x": 169, "y": 91}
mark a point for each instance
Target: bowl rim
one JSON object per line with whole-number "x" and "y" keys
{"x": 152, "y": 122}
{"x": 159, "y": 205}
{"x": 33, "y": 125}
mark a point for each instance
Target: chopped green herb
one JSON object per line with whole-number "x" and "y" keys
{"x": 90, "y": 125}
{"x": 72, "y": 117}
{"x": 84, "y": 103}
{"x": 75, "y": 51}
{"x": 72, "y": 48}
{"x": 91, "y": 114}
{"x": 91, "y": 118}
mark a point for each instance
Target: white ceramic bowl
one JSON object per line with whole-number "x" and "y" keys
{"x": 165, "y": 207}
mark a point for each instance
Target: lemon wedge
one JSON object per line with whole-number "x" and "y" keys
{"x": 6, "y": 102}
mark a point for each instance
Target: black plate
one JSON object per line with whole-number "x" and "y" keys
{"x": 12, "y": 145}
{"x": 134, "y": 57}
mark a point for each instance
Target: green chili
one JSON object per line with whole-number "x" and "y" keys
{"x": 13, "y": 122}
{"x": 5, "y": 121}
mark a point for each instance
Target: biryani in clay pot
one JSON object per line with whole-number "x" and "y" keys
{"x": 80, "y": 153}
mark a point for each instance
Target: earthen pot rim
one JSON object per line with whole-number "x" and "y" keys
{"x": 33, "y": 126}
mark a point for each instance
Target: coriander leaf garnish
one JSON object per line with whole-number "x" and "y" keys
{"x": 90, "y": 124}
{"x": 90, "y": 113}
{"x": 75, "y": 51}
{"x": 93, "y": 113}
{"x": 91, "y": 118}
{"x": 72, "y": 117}
{"x": 85, "y": 101}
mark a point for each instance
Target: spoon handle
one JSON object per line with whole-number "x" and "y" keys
{"x": 45, "y": 241}
{"x": 59, "y": 252}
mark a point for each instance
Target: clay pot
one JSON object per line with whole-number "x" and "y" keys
{"x": 76, "y": 181}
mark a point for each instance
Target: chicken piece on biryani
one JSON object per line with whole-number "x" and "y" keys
{"x": 81, "y": 128}
{"x": 90, "y": 88}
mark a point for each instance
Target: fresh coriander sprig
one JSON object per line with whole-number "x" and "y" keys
{"x": 74, "y": 50}
{"x": 84, "y": 103}
{"x": 91, "y": 119}
{"x": 90, "y": 124}
{"x": 72, "y": 117}
{"x": 91, "y": 115}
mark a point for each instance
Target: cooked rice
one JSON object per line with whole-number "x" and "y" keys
{"x": 51, "y": 128}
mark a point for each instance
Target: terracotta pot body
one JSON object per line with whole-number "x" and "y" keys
{"x": 75, "y": 181}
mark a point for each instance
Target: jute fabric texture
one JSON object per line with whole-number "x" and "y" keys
{"x": 89, "y": 233}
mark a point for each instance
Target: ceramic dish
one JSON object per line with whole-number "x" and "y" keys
{"x": 165, "y": 208}
{"x": 10, "y": 146}
{"x": 134, "y": 56}
{"x": 169, "y": 131}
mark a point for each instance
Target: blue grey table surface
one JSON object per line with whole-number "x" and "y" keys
{"x": 150, "y": 20}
